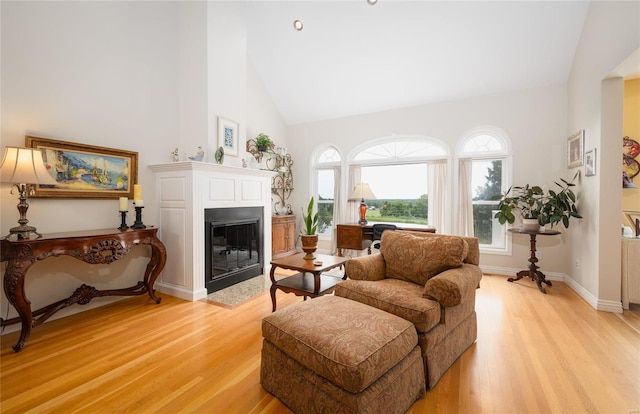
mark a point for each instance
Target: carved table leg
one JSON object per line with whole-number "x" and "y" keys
{"x": 154, "y": 267}
{"x": 533, "y": 272}
{"x": 273, "y": 288}
{"x": 14, "y": 289}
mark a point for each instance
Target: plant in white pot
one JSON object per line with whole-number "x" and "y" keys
{"x": 537, "y": 207}
{"x": 309, "y": 235}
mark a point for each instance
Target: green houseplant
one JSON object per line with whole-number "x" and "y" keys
{"x": 309, "y": 235}
{"x": 263, "y": 142}
{"x": 532, "y": 202}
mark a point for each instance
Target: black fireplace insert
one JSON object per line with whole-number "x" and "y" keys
{"x": 233, "y": 246}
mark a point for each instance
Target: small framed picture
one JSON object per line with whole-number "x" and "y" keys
{"x": 590, "y": 162}
{"x": 575, "y": 149}
{"x": 228, "y": 136}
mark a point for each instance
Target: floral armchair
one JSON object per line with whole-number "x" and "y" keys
{"x": 428, "y": 279}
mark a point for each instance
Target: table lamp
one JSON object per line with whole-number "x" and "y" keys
{"x": 23, "y": 168}
{"x": 360, "y": 192}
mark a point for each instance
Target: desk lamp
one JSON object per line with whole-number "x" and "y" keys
{"x": 22, "y": 168}
{"x": 360, "y": 192}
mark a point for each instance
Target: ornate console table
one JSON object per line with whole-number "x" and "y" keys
{"x": 92, "y": 246}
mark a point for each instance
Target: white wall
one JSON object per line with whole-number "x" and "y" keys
{"x": 227, "y": 71}
{"x": 534, "y": 119}
{"x": 96, "y": 73}
{"x": 611, "y": 33}
{"x": 193, "y": 102}
{"x": 140, "y": 76}
{"x": 262, "y": 114}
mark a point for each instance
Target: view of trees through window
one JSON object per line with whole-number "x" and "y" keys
{"x": 396, "y": 171}
{"x": 400, "y": 190}
{"x": 325, "y": 201}
{"x": 487, "y": 182}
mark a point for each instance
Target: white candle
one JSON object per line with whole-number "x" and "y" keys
{"x": 137, "y": 192}
{"x": 124, "y": 204}
{"x": 138, "y": 203}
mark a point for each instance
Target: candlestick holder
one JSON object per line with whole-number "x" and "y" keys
{"x": 123, "y": 224}
{"x": 138, "y": 224}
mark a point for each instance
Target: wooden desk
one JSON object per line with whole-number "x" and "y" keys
{"x": 310, "y": 281}
{"x": 92, "y": 246}
{"x": 360, "y": 237}
{"x": 533, "y": 272}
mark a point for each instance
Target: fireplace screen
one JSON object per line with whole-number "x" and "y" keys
{"x": 234, "y": 246}
{"x": 233, "y": 243}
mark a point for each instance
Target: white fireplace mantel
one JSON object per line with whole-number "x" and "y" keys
{"x": 184, "y": 190}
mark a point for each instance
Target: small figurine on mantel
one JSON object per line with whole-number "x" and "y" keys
{"x": 199, "y": 155}
{"x": 175, "y": 155}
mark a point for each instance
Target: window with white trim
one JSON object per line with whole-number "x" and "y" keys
{"x": 489, "y": 154}
{"x": 396, "y": 169}
{"x": 325, "y": 167}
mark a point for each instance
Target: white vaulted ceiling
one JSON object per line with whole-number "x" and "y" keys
{"x": 353, "y": 58}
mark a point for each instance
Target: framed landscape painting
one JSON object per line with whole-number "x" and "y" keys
{"x": 85, "y": 171}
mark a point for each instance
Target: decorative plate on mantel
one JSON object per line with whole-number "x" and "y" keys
{"x": 219, "y": 155}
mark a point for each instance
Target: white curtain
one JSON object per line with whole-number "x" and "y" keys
{"x": 465, "y": 196}
{"x": 437, "y": 183}
{"x": 338, "y": 208}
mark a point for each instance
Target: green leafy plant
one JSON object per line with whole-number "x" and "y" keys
{"x": 310, "y": 219}
{"x": 263, "y": 142}
{"x": 531, "y": 202}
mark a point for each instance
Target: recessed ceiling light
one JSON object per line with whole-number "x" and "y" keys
{"x": 297, "y": 24}
{"x": 372, "y": 2}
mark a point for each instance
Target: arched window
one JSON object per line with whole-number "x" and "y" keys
{"x": 401, "y": 172}
{"x": 484, "y": 173}
{"x": 326, "y": 164}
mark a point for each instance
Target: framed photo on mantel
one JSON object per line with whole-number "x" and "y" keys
{"x": 85, "y": 171}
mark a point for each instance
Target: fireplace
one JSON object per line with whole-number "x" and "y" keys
{"x": 233, "y": 246}
{"x": 185, "y": 190}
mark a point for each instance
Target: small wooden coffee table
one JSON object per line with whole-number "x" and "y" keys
{"x": 310, "y": 282}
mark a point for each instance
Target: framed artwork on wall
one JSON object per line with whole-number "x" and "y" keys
{"x": 85, "y": 171}
{"x": 575, "y": 149}
{"x": 590, "y": 162}
{"x": 228, "y": 136}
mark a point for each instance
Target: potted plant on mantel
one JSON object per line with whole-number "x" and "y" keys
{"x": 309, "y": 234}
{"x": 537, "y": 208}
{"x": 263, "y": 142}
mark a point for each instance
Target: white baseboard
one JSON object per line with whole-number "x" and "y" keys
{"x": 180, "y": 292}
{"x": 597, "y": 304}
{"x": 507, "y": 271}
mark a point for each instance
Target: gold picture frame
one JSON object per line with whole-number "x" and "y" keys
{"x": 575, "y": 149}
{"x": 85, "y": 171}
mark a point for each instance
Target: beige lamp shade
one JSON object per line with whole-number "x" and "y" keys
{"x": 361, "y": 192}
{"x": 24, "y": 166}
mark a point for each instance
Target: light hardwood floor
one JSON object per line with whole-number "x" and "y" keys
{"x": 535, "y": 353}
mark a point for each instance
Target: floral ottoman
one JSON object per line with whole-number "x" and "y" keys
{"x": 335, "y": 355}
